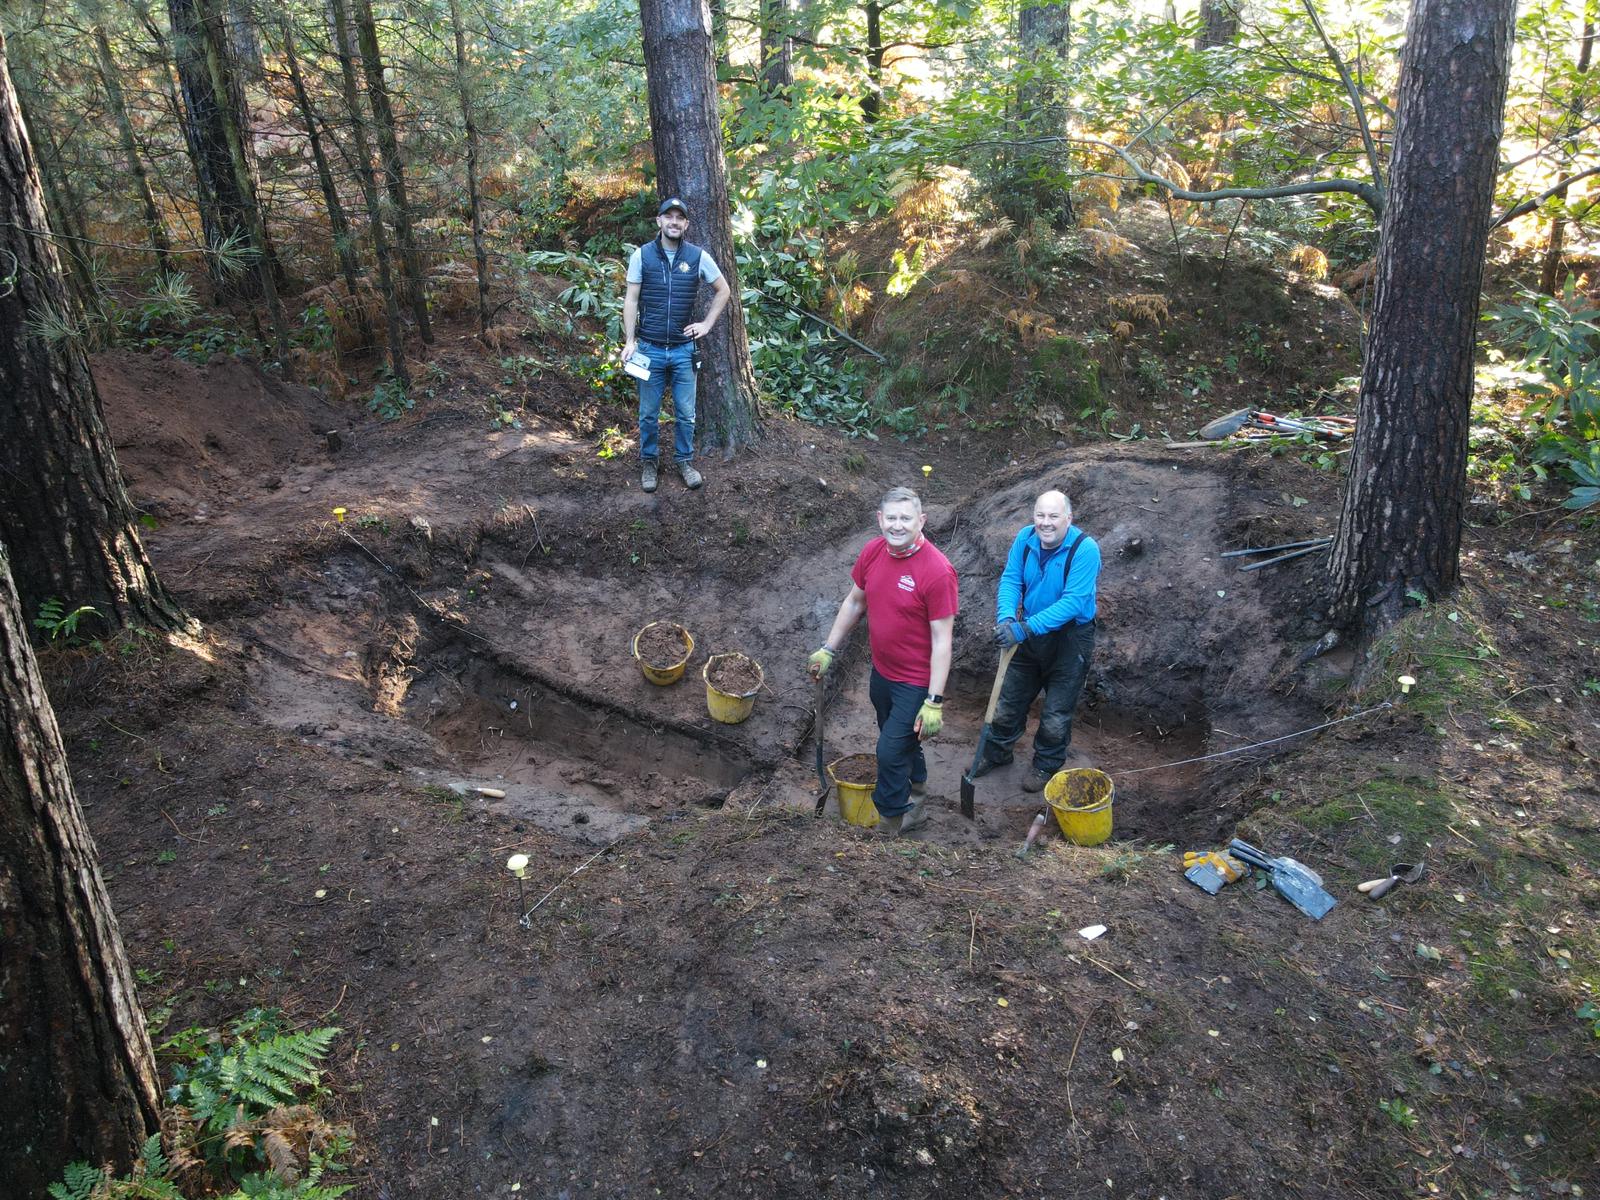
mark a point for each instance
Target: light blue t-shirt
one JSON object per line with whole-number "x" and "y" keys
{"x": 708, "y": 269}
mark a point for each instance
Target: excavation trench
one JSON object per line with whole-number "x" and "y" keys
{"x": 585, "y": 768}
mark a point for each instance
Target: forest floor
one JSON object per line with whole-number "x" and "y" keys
{"x": 716, "y": 994}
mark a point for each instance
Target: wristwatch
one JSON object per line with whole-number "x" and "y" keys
{"x": 933, "y": 699}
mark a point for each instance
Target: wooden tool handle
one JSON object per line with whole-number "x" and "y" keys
{"x": 999, "y": 682}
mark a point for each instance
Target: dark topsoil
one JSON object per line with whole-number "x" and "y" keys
{"x": 734, "y": 998}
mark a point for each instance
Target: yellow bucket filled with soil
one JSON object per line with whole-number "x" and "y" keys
{"x": 855, "y": 776}
{"x": 1081, "y": 800}
{"x": 657, "y": 645}
{"x": 732, "y": 681}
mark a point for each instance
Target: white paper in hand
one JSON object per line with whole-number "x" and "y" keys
{"x": 637, "y": 365}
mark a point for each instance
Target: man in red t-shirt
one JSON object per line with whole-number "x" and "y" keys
{"x": 907, "y": 591}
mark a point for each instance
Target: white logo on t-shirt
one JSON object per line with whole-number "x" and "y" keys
{"x": 907, "y": 583}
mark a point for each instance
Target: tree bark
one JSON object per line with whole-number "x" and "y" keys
{"x": 872, "y": 98}
{"x": 1550, "y": 271}
{"x": 1044, "y": 29}
{"x": 63, "y": 511}
{"x": 480, "y": 253}
{"x": 393, "y": 167}
{"x": 1400, "y": 529}
{"x": 343, "y": 246}
{"x": 1219, "y": 24}
{"x": 61, "y": 209}
{"x": 208, "y": 117}
{"x": 342, "y": 36}
{"x": 777, "y": 47}
{"x": 686, "y": 131}
{"x": 112, "y": 82}
{"x": 80, "y": 1074}
{"x": 219, "y": 62}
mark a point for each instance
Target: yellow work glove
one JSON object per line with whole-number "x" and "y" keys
{"x": 1230, "y": 868}
{"x": 820, "y": 663}
{"x": 930, "y": 719}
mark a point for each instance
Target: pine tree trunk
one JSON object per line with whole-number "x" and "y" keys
{"x": 1044, "y": 29}
{"x": 383, "y": 124}
{"x": 872, "y": 98}
{"x": 1043, "y": 33}
{"x": 1550, "y": 270}
{"x": 83, "y": 1086}
{"x": 343, "y": 37}
{"x": 343, "y": 246}
{"x": 1219, "y": 24}
{"x": 220, "y": 65}
{"x": 1400, "y": 530}
{"x": 777, "y": 48}
{"x": 480, "y": 253}
{"x": 207, "y": 118}
{"x": 686, "y": 131}
{"x": 112, "y": 82}
{"x": 63, "y": 511}
{"x": 61, "y": 209}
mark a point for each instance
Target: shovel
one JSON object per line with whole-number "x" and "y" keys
{"x": 1294, "y": 881}
{"x": 822, "y": 769}
{"x": 969, "y": 781}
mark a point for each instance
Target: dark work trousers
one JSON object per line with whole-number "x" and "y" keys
{"x": 900, "y": 761}
{"x": 1056, "y": 664}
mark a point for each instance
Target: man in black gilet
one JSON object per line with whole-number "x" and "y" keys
{"x": 664, "y": 278}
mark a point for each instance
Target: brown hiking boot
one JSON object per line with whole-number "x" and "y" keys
{"x": 1037, "y": 779}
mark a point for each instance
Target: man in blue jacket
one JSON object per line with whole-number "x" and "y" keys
{"x": 664, "y": 278}
{"x": 1046, "y": 610}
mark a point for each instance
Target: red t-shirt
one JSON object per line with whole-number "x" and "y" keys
{"x": 903, "y": 595}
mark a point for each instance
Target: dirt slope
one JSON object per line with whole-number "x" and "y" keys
{"x": 736, "y": 999}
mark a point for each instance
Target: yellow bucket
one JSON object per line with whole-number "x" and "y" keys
{"x": 1081, "y": 800}
{"x": 725, "y": 706}
{"x": 855, "y": 799}
{"x": 664, "y": 675}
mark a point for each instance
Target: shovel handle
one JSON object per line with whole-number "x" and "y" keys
{"x": 999, "y": 682}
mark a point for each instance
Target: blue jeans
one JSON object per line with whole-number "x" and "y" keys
{"x": 1056, "y": 664}
{"x": 900, "y": 761}
{"x": 674, "y": 366}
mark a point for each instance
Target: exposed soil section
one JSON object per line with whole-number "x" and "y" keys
{"x": 714, "y": 994}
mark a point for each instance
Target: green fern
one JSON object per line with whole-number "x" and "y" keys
{"x": 80, "y": 1182}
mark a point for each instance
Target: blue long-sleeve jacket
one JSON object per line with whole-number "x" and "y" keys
{"x": 1033, "y": 576}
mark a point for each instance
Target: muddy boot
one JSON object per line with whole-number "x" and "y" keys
{"x": 913, "y": 818}
{"x": 691, "y": 478}
{"x": 647, "y": 475}
{"x": 919, "y": 787}
{"x": 990, "y": 764}
{"x": 1037, "y": 779}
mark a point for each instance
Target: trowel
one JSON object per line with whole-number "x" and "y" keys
{"x": 1294, "y": 881}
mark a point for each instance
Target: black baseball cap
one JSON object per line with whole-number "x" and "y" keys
{"x": 672, "y": 202}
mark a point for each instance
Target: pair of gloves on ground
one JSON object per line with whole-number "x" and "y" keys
{"x": 930, "y": 717}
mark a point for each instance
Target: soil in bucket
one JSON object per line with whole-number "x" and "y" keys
{"x": 734, "y": 674}
{"x": 1081, "y": 799}
{"x": 856, "y": 776}
{"x": 732, "y": 681}
{"x": 662, "y": 645}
